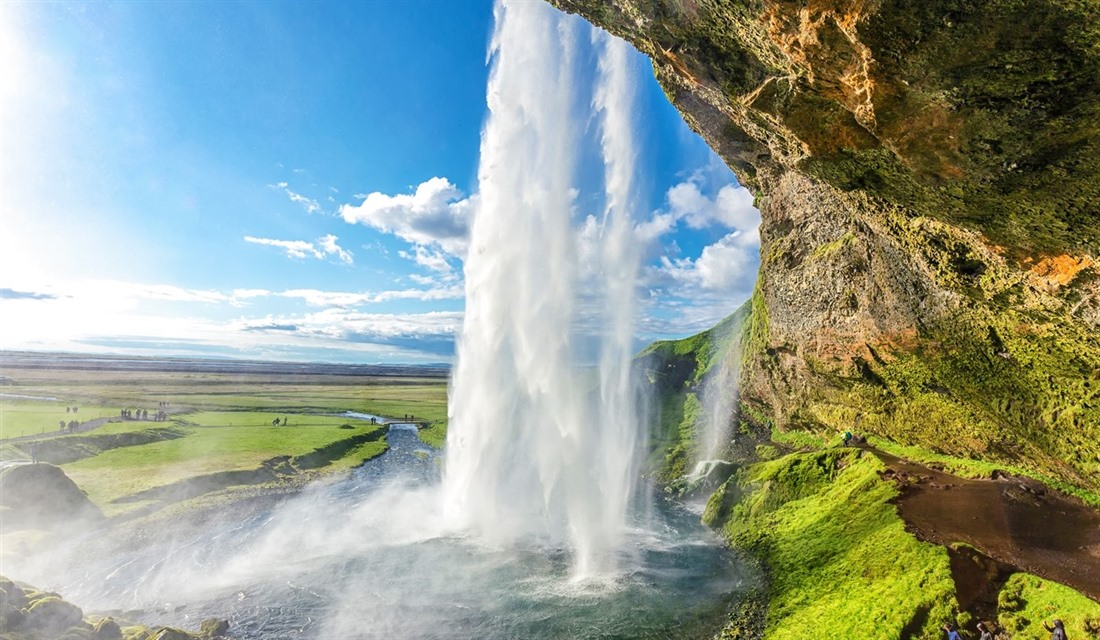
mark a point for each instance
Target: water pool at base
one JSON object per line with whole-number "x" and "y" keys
{"x": 365, "y": 557}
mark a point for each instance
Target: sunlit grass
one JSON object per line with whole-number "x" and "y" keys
{"x": 227, "y": 420}
{"x": 1027, "y": 601}
{"x": 219, "y": 441}
{"x": 20, "y": 417}
{"x": 840, "y": 560}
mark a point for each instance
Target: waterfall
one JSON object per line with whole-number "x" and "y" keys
{"x": 534, "y": 450}
{"x": 718, "y": 398}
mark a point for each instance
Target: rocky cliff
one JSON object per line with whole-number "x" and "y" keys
{"x": 928, "y": 176}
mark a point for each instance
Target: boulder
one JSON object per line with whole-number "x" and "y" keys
{"x": 170, "y": 633}
{"x": 11, "y": 618}
{"x": 106, "y": 629}
{"x": 42, "y": 496}
{"x": 213, "y": 628}
{"x": 11, "y": 594}
{"x": 51, "y": 614}
{"x": 707, "y": 476}
{"x": 77, "y": 633}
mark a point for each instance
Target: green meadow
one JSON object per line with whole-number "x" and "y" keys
{"x": 22, "y": 417}
{"x": 219, "y": 432}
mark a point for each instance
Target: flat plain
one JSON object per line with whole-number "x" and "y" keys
{"x": 221, "y": 429}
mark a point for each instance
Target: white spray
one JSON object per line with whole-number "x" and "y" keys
{"x": 719, "y": 399}
{"x": 532, "y": 453}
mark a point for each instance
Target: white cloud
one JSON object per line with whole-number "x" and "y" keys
{"x": 453, "y": 292}
{"x": 660, "y": 224}
{"x": 694, "y": 293}
{"x": 329, "y": 246}
{"x": 319, "y": 249}
{"x": 731, "y": 208}
{"x": 728, "y": 265}
{"x": 719, "y": 278}
{"x": 345, "y": 299}
{"x": 431, "y": 259}
{"x": 436, "y": 214}
{"x": 320, "y": 298}
{"x": 244, "y": 294}
{"x": 171, "y": 293}
{"x": 309, "y": 204}
{"x": 128, "y": 317}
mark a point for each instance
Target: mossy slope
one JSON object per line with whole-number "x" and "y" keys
{"x": 840, "y": 561}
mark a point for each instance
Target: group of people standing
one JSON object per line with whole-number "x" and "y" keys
{"x": 143, "y": 414}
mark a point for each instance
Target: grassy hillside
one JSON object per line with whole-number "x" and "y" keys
{"x": 212, "y": 442}
{"x": 840, "y": 560}
{"x": 820, "y": 519}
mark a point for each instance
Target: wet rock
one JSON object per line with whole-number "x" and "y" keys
{"x": 77, "y": 633}
{"x": 106, "y": 629}
{"x": 52, "y": 614}
{"x": 708, "y": 476}
{"x": 11, "y": 594}
{"x": 909, "y": 200}
{"x": 11, "y": 618}
{"x": 213, "y": 628}
{"x": 42, "y": 496}
{"x": 169, "y": 633}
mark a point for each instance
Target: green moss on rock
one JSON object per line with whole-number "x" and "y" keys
{"x": 840, "y": 560}
{"x": 106, "y": 629}
{"x": 51, "y": 614}
{"x": 1026, "y": 601}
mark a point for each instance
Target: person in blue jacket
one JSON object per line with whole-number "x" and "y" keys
{"x": 951, "y": 633}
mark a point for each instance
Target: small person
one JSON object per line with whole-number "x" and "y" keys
{"x": 951, "y": 633}
{"x": 847, "y": 438}
{"x": 1057, "y": 632}
{"x": 986, "y": 634}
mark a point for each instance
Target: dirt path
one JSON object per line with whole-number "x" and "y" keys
{"x": 1018, "y": 524}
{"x": 87, "y": 425}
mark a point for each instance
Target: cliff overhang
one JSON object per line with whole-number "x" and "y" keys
{"x": 928, "y": 176}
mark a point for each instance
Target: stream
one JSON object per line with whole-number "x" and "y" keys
{"x": 370, "y": 556}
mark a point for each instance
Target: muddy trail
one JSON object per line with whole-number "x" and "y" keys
{"x": 1013, "y": 524}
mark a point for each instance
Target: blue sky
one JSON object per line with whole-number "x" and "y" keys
{"x": 291, "y": 181}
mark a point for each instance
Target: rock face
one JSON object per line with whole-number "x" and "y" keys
{"x": 29, "y": 614}
{"x": 928, "y": 177}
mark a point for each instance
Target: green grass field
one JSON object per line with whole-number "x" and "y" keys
{"x": 225, "y": 421}
{"x": 218, "y": 391}
{"x": 23, "y": 417}
{"x": 224, "y": 442}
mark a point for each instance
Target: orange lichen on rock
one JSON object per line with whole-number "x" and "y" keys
{"x": 1058, "y": 271}
{"x": 822, "y": 40}
{"x": 844, "y": 348}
